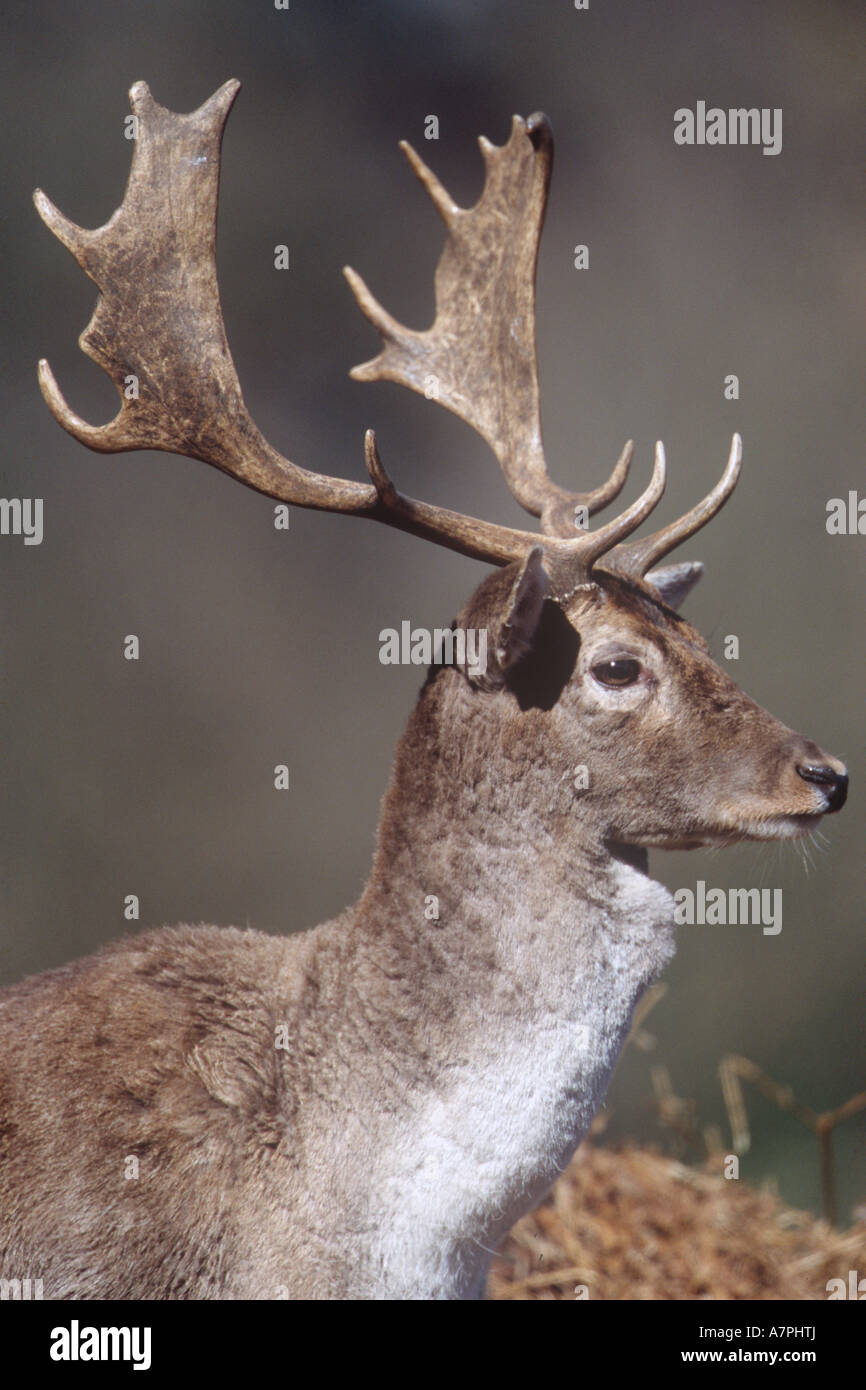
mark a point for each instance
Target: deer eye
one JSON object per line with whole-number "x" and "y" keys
{"x": 617, "y": 671}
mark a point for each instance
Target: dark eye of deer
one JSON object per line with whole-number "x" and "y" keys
{"x": 620, "y": 670}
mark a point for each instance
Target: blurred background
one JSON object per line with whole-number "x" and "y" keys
{"x": 261, "y": 647}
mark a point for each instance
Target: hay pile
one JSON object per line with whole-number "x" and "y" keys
{"x": 632, "y": 1224}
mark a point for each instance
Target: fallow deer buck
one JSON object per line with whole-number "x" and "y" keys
{"x": 431, "y": 1075}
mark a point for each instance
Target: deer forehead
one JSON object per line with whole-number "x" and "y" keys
{"x": 623, "y": 616}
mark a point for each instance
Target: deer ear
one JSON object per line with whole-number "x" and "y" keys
{"x": 519, "y": 622}
{"x": 675, "y": 582}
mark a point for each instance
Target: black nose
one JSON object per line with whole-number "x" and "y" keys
{"x": 834, "y": 780}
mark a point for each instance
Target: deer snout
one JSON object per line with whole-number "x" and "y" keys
{"x": 828, "y": 773}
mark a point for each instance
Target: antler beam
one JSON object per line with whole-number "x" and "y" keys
{"x": 158, "y": 324}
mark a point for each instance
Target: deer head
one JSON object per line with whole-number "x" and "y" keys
{"x": 589, "y": 605}
{"x": 614, "y": 678}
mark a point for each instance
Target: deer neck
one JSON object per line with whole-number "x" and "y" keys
{"x": 482, "y": 848}
{"x": 504, "y": 897}
{"x": 501, "y": 955}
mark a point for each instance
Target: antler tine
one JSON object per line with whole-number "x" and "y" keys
{"x": 480, "y": 540}
{"x": 158, "y": 332}
{"x": 634, "y": 558}
{"x": 594, "y": 544}
{"x": 157, "y": 329}
{"x": 479, "y": 358}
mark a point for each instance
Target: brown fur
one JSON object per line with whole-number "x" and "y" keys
{"x": 258, "y": 1168}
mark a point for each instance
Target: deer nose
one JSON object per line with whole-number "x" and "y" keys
{"x": 831, "y": 775}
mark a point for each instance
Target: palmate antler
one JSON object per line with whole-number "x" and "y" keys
{"x": 158, "y": 320}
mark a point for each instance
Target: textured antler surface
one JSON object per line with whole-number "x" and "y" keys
{"x": 479, "y": 358}
{"x": 158, "y": 332}
{"x": 155, "y": 254}
{"x": 636, "y": 557}
{"x": 158, "y": 317}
